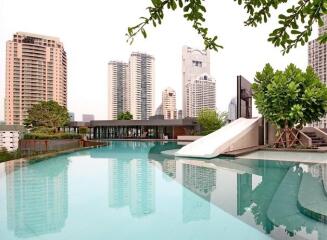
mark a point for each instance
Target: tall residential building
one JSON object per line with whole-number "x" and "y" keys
{"x": 317, "y": 56}
{"x": 169, "y": 103}
{"x": 201, "y": 94}
{"x": 118, "y": 82}
{"x": 194, "y": 63}
{"x": 141, "y": 84}
{"x": 36, "y": 70}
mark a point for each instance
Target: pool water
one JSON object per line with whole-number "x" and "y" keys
{"x": 128, "y": 190}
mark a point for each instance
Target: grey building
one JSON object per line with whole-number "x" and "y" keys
{"x": 118, "y": 84}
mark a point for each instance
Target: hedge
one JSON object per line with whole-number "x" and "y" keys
{"x": 44, "y": 136}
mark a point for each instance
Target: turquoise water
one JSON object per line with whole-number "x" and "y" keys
{"x": 129, "y": 190}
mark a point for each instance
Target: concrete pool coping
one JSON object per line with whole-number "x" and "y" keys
{"x": 287, "y": 156}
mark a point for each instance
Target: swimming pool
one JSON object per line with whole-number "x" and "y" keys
{"x": 128, "y": 190}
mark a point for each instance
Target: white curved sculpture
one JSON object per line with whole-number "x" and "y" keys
{"x": 241, "y": 133}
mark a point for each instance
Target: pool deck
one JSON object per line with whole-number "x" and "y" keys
{"x": 287, "y": 156}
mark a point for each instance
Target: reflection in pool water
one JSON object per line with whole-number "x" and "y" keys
{"x": 129, "y": 190}
{"x": 37, "y": 197}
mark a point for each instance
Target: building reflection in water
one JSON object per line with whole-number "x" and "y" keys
{"x": 131, "y": 180}
{"x": 252, "y": 185}
{"x": 169, "y": 168}
{"x": 202, "y": 181}
{"x": 319, "y": 171}
{"x": 37, "y": 196}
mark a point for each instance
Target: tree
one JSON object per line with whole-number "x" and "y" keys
{"x": 289, "y": 99}
{"x": 295, "y": 26}
{"x": 47, "y": 115}
{"x": 211, "y": 121}
{"x": 125, "y": 116}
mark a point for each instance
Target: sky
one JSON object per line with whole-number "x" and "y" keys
{"x": 93, "y": 33}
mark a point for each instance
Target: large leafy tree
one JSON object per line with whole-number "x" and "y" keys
{"x": 125, "y": 116}
{"x": 47, "y": 115}
{"x": 289, "y": 99}
{"x": 211, "y": 121}
{"x": 294, "y": 26}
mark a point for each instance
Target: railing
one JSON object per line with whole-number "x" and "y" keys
{"x": 31, "y": 147}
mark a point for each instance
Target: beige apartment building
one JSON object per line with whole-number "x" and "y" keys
{"x": 169, "y": 103}
{"x": 141, "y": 85}
{"x": 36, "y": 70}
{"x": 118, "y": 82}
{"x": 194, "y": 63}
{"x": 201, "y": 94}
{"x": 317, "y": 57}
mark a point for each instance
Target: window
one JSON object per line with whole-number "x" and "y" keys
{"x": 197, "y": 63}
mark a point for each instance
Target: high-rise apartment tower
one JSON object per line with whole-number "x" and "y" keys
{"x": 131, "y": 87}
{"x": 317, "y": 57}
{"x": 194, "y": 64}
{"x": 36, "y": 70}
{"x": 201, "y": 94}
{"x": 169, "y": 103}
{"x": 118, "y": 76}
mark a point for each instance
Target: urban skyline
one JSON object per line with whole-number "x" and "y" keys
{"x": 89, "y": 53}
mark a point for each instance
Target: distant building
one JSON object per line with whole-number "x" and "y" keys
{"x": 180, "y": 114}
{"x": 87, "y": 117}
{"x": 141, "y": 81}
{"x": 232, "y": 109}
{"x": 131, "y": 87}
{"x": 118, "y": 82}
{"x": 36, "y": 70}
{"x": 9, "y": 136}
{"x": 201, "y": 94}
{"x": 317, "y": 56}
{"x": 159, "y": 110}
{"x": 169, "y": 103}
{"x": 71, "y": 116}
{"x": 194, "y": 64}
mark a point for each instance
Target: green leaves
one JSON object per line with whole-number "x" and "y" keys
{"x": 294, "y": 26}
{"x": 47, "y": 115}
{"x": 211, "y": 121}
{"x": 125, "y": 116}
{"x": 193, "y": 11}
{"x": 289, "y": 97}
{"x": 288, "y": 34}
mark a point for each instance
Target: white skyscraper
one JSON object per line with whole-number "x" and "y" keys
{"x": 201, "y": 94}
{"x": 141, "y": 80}
{"x": 317, "y": 56}
{"x": 131, "y": 87}
{"x": 169, "y": 103}
{"x": 118, "y": 83}
{"x": 195, "y": 64}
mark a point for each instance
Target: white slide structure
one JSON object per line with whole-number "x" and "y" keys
{"x": 241, "y": 133}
